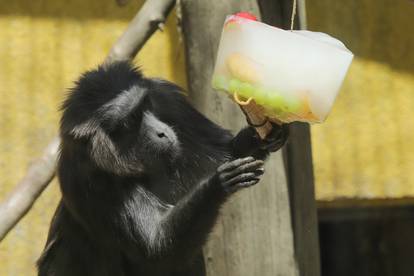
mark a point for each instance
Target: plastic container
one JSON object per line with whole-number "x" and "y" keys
{"x": 293, "y": 75}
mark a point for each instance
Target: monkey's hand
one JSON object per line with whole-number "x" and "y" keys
{"x": 248, "y": 143}
{"x": 276, "y": 138}
{"x": 239, "y": 173}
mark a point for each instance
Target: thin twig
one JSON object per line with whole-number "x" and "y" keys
{"x": 152, "y": 14}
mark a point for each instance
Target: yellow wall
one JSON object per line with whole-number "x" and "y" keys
{"x": 365, "y": 149}
{"x": 44, "y": 45}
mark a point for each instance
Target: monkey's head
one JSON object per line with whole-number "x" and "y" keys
{"x": 114, "y": 118}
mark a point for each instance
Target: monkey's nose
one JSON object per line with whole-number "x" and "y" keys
{"x": 161, "y": 135}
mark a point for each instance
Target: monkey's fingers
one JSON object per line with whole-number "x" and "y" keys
{"x": 245, "y": 168}
{"x": 244, "y": 177}
{"x": 242, "y": 185}
{"x": 275, "y": 140}
{"x": 274, "y": 146}
{"x": 231, "y": 165}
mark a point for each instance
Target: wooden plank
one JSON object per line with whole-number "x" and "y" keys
{"x": 302, "y": 196}
{"x": 298, "y": 158}
{"x": 254, "y": 234}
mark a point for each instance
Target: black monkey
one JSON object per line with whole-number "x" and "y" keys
{"x": 142, "y": 175}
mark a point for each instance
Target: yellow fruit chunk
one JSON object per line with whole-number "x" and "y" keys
{"x": 243, "y": 68}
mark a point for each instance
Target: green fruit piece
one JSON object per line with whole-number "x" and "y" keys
{"x": 246, "y": 90}
{"x": 273, "y": 113}
{"x": 260, "y": 96}
{"x": 293, "y": 105}
{"x": 275, "y": 100}
{"x": 279, "y": 112}
{"x": 234, "y": 85}
{"x": 219, "y": 83}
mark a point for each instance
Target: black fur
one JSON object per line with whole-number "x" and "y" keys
{"x": 142, "y": 175}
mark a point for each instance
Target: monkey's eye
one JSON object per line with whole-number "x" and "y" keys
{"x": 130, "y": 124}
{"x": 124, "y": 131}
{"x": 137, "y": 113}
{"x": 145, "y": 104}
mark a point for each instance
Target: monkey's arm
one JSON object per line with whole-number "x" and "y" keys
{"x": 179, "y": 231}
{"x": 248, "y": 143}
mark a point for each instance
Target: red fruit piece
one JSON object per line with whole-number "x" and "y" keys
{"x": 235, "y": 18}
{"x": 246, "y": 15}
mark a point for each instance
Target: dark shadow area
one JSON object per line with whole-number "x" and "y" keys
{"x": 367, "y": 241}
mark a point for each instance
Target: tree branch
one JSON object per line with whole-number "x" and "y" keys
{"x": 149, "y": 18}
{"x": 42, "y": 170}
{"x": 21, "y": 199}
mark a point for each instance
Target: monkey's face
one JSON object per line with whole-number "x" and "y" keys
{"x": 125, "y": 123}
{"x": 141, "y": 137}
{"x": 157, "y": 137}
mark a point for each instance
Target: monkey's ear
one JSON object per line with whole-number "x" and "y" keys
{"x": 85, "y": 129}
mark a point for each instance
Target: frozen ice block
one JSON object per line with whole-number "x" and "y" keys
{"x": 293, "y": 75}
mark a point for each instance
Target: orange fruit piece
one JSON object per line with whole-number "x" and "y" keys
{"x": 306, "y": 112}
{"x": 243, "y": 68}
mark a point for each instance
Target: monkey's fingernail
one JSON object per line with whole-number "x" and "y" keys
{"x": 249, "y": 183}
{"x": 249, "y": 159}
{"x": 260, "y": 171}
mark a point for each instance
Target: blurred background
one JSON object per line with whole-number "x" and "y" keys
{"x": 363, "y": 155}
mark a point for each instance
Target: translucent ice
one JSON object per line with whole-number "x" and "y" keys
{"x": 294, "y": 75}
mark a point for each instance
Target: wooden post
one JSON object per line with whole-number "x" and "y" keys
{"x": 298, "y": 158}
{"x": 270, "y": 229}
{"x": 254, "y": 235}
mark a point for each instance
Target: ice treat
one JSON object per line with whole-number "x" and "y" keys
{"x": 292, "y": 75}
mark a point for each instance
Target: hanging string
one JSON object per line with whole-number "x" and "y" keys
{"x": 292, "y": 19}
